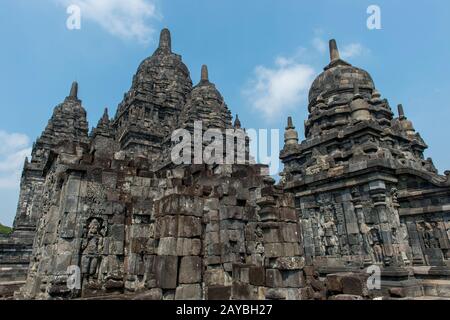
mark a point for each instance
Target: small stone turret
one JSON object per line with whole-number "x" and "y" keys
{"x": 237, "y": 122}
{"x": 405, "y": 124}
{"x": 376, "y": 97}
{"x": 103, "y": 125}
{"x": 290, "y": 134}
{"x": 105, "y": 117}
{"x": 103, "y": 144}
{"x": 359, "y": 107}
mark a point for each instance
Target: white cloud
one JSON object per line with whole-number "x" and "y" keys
{"x": 320, "y": 45}
{"x": 352, "y": 50}
{"x": 275, "y": 90}
{"x": 128, "y": 19}
{"x": 14, "y": 147}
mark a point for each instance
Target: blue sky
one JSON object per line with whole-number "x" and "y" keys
{"x": 252, "y": 47}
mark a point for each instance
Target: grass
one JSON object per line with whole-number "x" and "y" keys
{"x": 5, "y": 229}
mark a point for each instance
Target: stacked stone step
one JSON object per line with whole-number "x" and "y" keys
{"x": 13, "y": 272}
{"x": 143, "y": 268}
{"x": 348, "y": 286}
{"x": 15, "y": 252}
{"x": 178, "y": 231}
{"x": 434, "y": 280}
{"x": 230, "y": 243}
{"x": 140, "y": 248}
{"x": 217, "y": 280}
{"x": 284, "y": 261}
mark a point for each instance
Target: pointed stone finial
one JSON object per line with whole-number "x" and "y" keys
{"x": 204, "y": 75}
{"x": 237, "y": 122}
{"x": 74, "y": 90}
{"x": 165, "y": 41}
{"x": 334, "y": 51}
{"x": 105, "y": 117}
{"x": 290, "y": 123}
{"x": 401, "y": 112}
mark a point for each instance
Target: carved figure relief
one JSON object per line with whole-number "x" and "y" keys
{"x": 330, "y": 231}
{"x": 377, "y": 245}
{"x": 92, "y": 248}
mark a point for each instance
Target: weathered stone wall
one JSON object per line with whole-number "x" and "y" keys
{"x": 426, "y": 214}
{"x": 356, "y": 225}
{"x": 187, "y": 233}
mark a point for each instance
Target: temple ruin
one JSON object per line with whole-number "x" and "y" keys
{"x": 105, "y": 213}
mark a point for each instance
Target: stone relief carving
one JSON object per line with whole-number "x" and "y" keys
{"x": 434, "y": 235}
{"x": 95, "y": 197}
{"x": 377, "y": 245}
{"x": 329, "y": 238}
{"x": 92, "y": 248}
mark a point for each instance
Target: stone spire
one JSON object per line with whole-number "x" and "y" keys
{"x": 334, "y": 51}
{"x": 68, "y": 123}
{"x": 205, "y": 103}
{"x": 290, "y": 134}
{"x": 204, "y": 74}
{"x": 163, "y": 82}
{"x": 290, "y": 124}
{"x": 401, "y": 112}
{"x": 405, "y": 124}
{"x": 74, "y": 91}
{"x": 103, "y": 137}
{"x": 237, "y": 122}
{"x": 165, "y": 41}
{"x": 105, "y": 117}
{"x": 103, "y": 124}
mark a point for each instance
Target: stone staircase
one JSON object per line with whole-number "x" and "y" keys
{"x": 435, "y": 281}
{"x": 15, "y": 253}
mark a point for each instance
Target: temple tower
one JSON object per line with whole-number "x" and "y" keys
{"x": 67, "y": 127}
{"x": 355, "y": 173}
{"x": 149, "y": 111}
{"x": 67, "y": 124}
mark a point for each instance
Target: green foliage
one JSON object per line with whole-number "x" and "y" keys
{"x": 5, "y": 229}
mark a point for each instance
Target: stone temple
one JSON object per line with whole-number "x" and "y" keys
{"x": 106, "y": 214}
